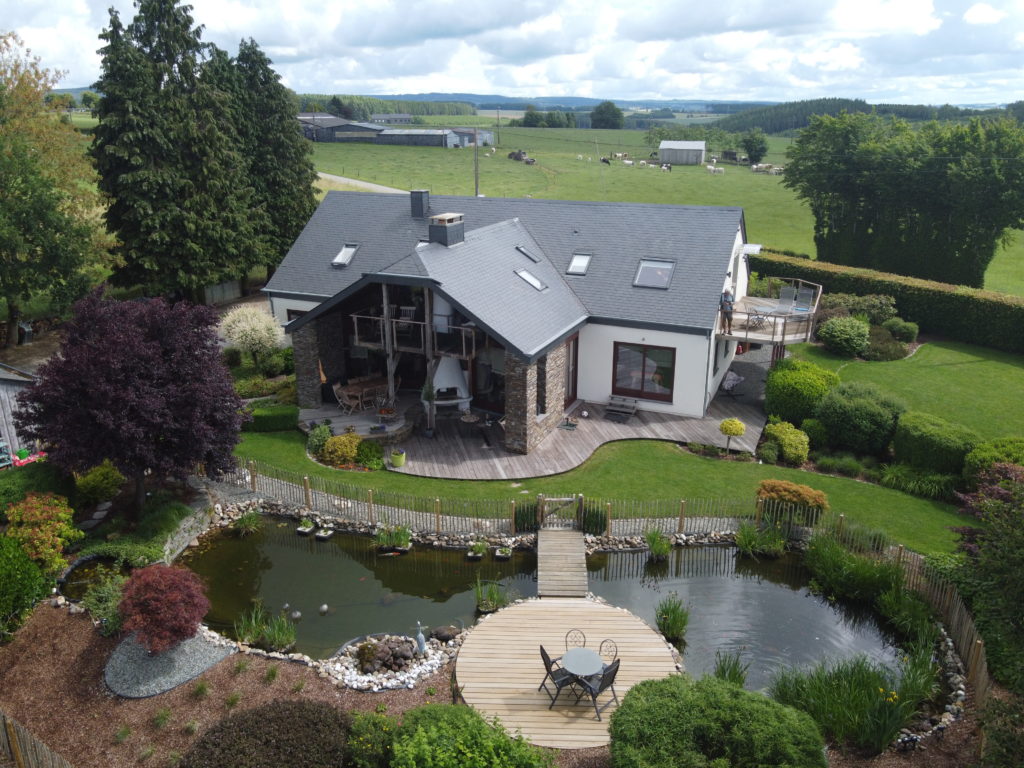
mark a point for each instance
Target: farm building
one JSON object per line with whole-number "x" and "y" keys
{"x": 466, "y": 136}
{"x": 398, "y": 118}
{"x": 682, "y": 152}
{"x": 323, "y": 127}
{"x": 427, "y": 137}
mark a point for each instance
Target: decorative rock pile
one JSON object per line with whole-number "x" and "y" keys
{"x": 637, "y": 543}
{"x": 389, "y": 654}
{"x": 408, "y": 666}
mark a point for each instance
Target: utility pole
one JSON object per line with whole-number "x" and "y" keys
{"x": 497, "y": 131}
{"x": 476, "y": 163}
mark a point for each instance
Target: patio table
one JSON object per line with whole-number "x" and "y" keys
{"x": 582, "y": 662}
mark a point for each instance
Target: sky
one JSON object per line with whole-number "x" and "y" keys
{"x": 883, "y": 51}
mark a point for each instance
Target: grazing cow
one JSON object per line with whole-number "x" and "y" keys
{"x": 590, "y": 159}
{"x": 606, "y": 161}
{"x": 627, "y": 162}
{"x": 711, "y": 168}
{"x": 642, "y": 163}
{"x": 718, "y": 170}
{"x": 666, "y": 167}
{"x": 579, "y": 157}
{"x": 530, "y": 160}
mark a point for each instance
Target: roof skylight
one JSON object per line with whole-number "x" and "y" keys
{"x": 528, "y": 254}
{"x": 654, "y": 273}
{"x": 345, "y": 255}
{"x": 531, "y": 278}
{"x": 579, "y": 264}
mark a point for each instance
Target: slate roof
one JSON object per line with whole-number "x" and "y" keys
{"x": 699, "y": 240}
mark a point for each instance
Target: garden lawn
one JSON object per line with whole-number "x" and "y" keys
{"x": 643, "y": 470}
{"x": 978, "y": 387}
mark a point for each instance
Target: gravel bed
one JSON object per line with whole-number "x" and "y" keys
{"x": 133, "y": 673}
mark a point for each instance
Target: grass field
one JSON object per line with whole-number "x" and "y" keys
{"x": 645, "y": 469}
{"x": 974, "y": 386}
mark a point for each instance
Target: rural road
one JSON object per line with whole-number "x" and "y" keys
{"x": 368, "y": 186}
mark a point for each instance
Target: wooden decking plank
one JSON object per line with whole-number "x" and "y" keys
{"x": 499, "y": 666}
{"x": 561, "y": 564}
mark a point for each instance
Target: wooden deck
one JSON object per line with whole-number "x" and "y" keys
{"x": 561, "y": 564}
{"x": 499, "y": 667}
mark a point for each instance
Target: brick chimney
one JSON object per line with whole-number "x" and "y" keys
{"x": 448, "y": 229}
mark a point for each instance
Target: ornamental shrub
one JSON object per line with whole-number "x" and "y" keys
{"x": 101, "y": 483}
{"x": 21, "y": 584}
{"x": 731, "y": 428}
{"x": 901, "y": 330}
{"x": 878, "y": 308}
{"x": 253, "y": 331}
{"x": 232, "y": 357}
{"x": 795, "y": 387}
{"x": 882, "y": 347}
{"x": 793, "y": 444}
{"x": 794, "y": 493}
{"x": 102, "y": 599}
{"x": 39, "y": 476}
{"x": 677, "y": 723}
{"x": 816, "y": 433}
{"x": 41, "y": 523}
{"x": 317, "y": 438}
{"x": 452, "y": 736}
{"x": 297, "y": 734}
{"x": 932, "y": 444}
{"x": 370, "y": 454}
{"x": 859, "y": 417}
{"x": 1004, "y": 450}
{"x": 844, "y": 336}
{"x": 370, "y": 740}
{"x": 163, "y": 605}
{"x": 768, "y": 452}
{"x": 340, "y": 450}
{"x": 256, "y": 386}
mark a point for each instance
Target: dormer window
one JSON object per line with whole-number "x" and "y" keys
{"x": 579, "y": 264}
{"x": 654, "y": 273}
{"x": 345, "y": 255}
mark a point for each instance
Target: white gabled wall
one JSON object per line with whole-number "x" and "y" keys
{"x": 279, "y": 307}
{"x": 597, "y": 349}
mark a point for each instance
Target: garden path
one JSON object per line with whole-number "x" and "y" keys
{"x": 561, "y": 564}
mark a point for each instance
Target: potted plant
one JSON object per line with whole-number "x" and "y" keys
{"x": 397, "y": 457}
{"x": 503, "y": 553}
{"x": 306, "y": 526}
{"x": 477, "y": 550}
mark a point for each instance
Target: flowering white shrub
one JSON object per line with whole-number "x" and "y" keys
{"x": 252, "y": 330}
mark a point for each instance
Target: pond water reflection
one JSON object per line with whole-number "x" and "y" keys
{"x": 761, "y": 609}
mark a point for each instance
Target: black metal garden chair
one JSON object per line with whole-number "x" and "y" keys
{"x": 598, "y": 684}
{"x": 560, "y": 678}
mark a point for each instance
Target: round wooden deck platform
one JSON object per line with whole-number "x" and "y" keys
{"x": 499, "y": 667}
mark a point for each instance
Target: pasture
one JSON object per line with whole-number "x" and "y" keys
{"x": 773, "y": 216}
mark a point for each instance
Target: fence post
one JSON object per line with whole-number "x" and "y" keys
{"x": 540, "y": 510}
{"x": 437, "y": 514}
{"x": 579, "y": 511}
{"x": 839, "y": 525}
{"x": 12, "y": 738}
{"x": 512, "y": 515}
{"x": 369, "y": 506}
{"x": 682, "y": 516}
{"x": 972, "y": 661}
{"x": 758, "y": 512}
{"x": 608, "y": 519}
{"x": 252, "y": 475}
{"x": 899, "y": 555}
{"x": 307, "y": 491}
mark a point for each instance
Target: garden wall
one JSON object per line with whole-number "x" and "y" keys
{"x": 970, "y": 315}
{"x": 189, "y": 528}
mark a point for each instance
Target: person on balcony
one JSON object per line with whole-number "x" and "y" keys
{"x": 726, "y": 305}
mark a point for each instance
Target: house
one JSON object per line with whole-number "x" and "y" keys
{"x": 526, "y": 307}
{"x": 399, "y": 118}
{"x": 682, "y": 152}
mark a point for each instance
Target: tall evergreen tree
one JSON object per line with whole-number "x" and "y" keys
{"x": 167, "y": 155}
{"x": 280, "y": 165}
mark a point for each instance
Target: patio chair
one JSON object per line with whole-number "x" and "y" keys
{"x": 575, "y": 638}
{"x": 598, "y": 684}
{"x": 609, "y": 651}
{"x": 730, "y": 381}
{"x": 786, "y": 298}
{"x": 804, "y": 299}
{"x": 347, "y": 402}
{"x": 559, "y": 677}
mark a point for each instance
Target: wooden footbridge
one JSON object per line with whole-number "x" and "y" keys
{"x": 499, "y": 666}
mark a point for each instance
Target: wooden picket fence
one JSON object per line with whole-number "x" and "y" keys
{"x": 23, "y": 749}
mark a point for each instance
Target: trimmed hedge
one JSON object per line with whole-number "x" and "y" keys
{"x": 971, "y": 315}
{"x": 878, "y": 308}
{"x": 845, "y": 336}
{"x": 930, "y": 443}
{"x": 272, "y": 418}
{"x": 859, "y": 417}
{"x": 793, "y": 444}
{"x": 795, "y": 387}
{"x": 1004, "y": 450}
{"x": 901, "y": 330}
{"x": 299, "y": 734}
{"x": 794, "y": 493}
{"x": 677, "y": 723}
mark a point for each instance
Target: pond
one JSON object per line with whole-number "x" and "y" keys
{"x": 763, "y": 610}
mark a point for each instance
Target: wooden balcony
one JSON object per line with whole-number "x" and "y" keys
{"x": 760, "y": 321}
{"x": 410, "y": 335}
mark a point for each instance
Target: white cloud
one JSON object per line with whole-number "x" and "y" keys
{"x": 983, "y": 13}
{"x": 884, "y": 17}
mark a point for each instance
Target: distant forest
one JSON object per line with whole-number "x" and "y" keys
{"x": 794, "y": 115}
{"x": 361, "y": 107}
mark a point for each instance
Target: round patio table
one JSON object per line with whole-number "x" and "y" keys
{"x": 582, "y": 662}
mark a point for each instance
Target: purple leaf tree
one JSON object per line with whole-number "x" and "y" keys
{"x": 140, "y": 383}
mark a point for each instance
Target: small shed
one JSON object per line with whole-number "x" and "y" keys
{"x": 682, "y": 152}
